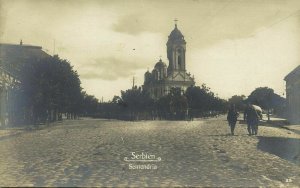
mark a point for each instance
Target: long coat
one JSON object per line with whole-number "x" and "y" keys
{"x": 232, "y": 116}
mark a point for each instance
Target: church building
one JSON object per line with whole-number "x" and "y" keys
{"x": 162, "y": 78}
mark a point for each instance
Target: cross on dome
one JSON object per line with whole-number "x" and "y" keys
{"x": 175, "y": 20}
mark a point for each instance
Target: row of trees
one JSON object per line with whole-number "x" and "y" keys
{"x": 49, "y": 88}
{"x": 135, "y": 103}
{"x": 264, "y": 97}
{"x": 202, "y": 100}
{"x": 197, "y": 101}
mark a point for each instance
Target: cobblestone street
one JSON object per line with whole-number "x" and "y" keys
{"x": 91, "y": 152}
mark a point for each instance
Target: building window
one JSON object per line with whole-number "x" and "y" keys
{"x": 179, "y": 58}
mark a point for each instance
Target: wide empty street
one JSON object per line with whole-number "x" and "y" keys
{"x": 92, "y": 152}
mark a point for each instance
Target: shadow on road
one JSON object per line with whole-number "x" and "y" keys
{"x": 219, "y": 135}
{"x": 285, "y": 148}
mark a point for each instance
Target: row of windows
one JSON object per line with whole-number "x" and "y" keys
{"x": 6, "y": 79}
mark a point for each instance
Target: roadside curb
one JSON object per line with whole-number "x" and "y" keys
{"x": 291, "y": 129}
{"x": 12, "y": 134}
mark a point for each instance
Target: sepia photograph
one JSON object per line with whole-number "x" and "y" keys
{"x": 149, "y": 93}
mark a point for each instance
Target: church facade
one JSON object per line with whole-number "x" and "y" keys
{"x": 162, "y": 78}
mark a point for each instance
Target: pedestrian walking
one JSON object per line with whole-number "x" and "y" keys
{"x": 232, "y": 118}
{"x": 252, "y": 119}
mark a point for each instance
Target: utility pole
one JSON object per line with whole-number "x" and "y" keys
{"x": 53, "y": 47}
{"x": 133, "y": 82}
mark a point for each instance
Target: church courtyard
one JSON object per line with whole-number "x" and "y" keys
{"x": 95, "y": 152}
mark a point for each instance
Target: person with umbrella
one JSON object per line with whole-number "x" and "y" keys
{"x": 252, "y": 118}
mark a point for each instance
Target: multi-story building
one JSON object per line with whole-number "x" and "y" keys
{"x": 8, "y": 82}
{"x": 293, "y": 95}
{"x": 12, "y": 57}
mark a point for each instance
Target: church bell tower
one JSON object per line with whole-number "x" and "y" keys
{"x": 176, "y": 47}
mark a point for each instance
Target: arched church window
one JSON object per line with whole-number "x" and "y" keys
{"x": 179, "y": 61}
{"x": 179, "y": 58}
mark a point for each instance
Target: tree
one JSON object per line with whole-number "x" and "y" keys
{"x": 238, "y": 101}
{"x": 90, "y": 104}
{"x": 266, "y": 98}
{"x": 178, "y": 103}
{"x": 203, "y": 101}
{"x": 48, "y": 88}
{"x": 162, "y": 106}
{"x": 135, "y": 101}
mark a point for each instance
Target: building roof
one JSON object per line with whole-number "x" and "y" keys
{"x": 12, "y": 56}
{"x": 175, "y": 36}
{"x": 295, "y": 72}
{"x": 176, "y": 33}
{"x": 147, "y": 73}
{"x": 160, "y": 64}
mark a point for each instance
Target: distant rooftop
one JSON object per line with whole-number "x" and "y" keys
{"x": 294, "y": 72}
{"x": 12, "y": 56}
{"x": 19, "y": 46}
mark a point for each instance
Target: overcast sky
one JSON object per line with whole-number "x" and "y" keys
{"x": 233, "y": 46}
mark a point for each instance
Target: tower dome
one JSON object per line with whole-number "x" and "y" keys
{"x": 176, "y": 34}
{"x": 161, "y": 68}
{"x": 147, "y": 77}
{"x": 160, "y": 65}
{"x": 147, "y": 73}
{"x": 176, "y": 48}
